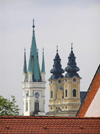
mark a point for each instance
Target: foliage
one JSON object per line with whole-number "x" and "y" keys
{"x": 8, "y": 108}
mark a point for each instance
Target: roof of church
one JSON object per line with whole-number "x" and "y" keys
{"x": 71, "y": 68}
{"x": 48, "y": 125}
{"x": 57, "y": 70}
{"x": 92, "y": 90}
{"x": 82, "y": 95}
{"x": 33, "y": 61}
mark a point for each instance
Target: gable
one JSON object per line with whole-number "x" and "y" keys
{"x": 91, "y": 93}
{"x": 94, "y": 108}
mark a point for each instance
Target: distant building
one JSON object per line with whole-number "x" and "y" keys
{"x": 64, "y": 90}
{"x": 33, "y": 82}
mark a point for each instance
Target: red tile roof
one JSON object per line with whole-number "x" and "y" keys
{"x": 93, "y": 88}
{"x": 48, "y": 125}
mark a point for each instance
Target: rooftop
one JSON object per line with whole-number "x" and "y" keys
{"x": 48, "y": 125}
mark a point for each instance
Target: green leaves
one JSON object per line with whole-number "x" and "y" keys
{"x": 8, "y": 108}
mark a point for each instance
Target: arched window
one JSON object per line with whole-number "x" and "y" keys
{"x": 66, "y": 93}
{"x": 26, "y": 106}
{"x": 51, "y": 94}
{"x": 36, "y": 106}
{"x": 74, "y": 93}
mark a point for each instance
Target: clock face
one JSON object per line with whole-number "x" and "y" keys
{"x": 36, "y": 94}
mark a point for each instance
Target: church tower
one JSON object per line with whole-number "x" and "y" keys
{"x": 56, "y": 83}
{"x": 33, "y": 82}
{"x": 72, "y": 86}
{"x": 64, "y": 91}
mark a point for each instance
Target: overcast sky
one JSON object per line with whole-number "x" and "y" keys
{"x": 57, "y": 22}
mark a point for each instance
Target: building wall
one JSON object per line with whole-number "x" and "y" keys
{"x": 60, "y": 105}
{"x": 31, "y": 88}
{"x": 94, "y": 108}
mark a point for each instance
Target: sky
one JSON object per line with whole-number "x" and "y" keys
{"x": 57, "y": 23}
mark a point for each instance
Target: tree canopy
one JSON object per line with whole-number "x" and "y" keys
{"x": 7, "y": 107}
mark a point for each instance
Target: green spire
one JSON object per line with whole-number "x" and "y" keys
{"x": 25, "y": 65}
{"x": 43, "y": 62}
{"x": 30, "y": 63}
{"x": 33, "y": 62}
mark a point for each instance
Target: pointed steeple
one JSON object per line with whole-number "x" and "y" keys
{"x": 43, "y": 63}
{"x": 25, "y": 65}
{"x": 34, "y": 59}
{"x": 30, "y": 64}
{"x": 57, "y": 70}
{"x": 71, "y": 68}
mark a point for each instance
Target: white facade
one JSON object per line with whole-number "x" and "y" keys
{"x": 33, "y": 92}
{"x": 94, "y": 108}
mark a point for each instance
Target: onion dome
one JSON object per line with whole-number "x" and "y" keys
{"x": 57, "y": 70}
{"x": 71, "y": 68}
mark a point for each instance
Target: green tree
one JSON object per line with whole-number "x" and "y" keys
{"x": 8, "y": 108}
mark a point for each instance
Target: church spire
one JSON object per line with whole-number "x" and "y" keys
{"x": 57, "y": 70}
{"x": 34, "y": 59}
{"x": 43, "y": 63}
{"x": 25, "y": 65}
{"x": 71, "y": 68}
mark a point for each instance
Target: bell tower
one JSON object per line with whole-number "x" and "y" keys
{"x": 33, "y": 82}
{"x": 72, "y": 86}
{"x": 64, "y": 90}
{"x": 56, "y": 83}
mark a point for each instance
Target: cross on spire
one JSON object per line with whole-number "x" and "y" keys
{"x": 33, "y": 24}
{"x": 57, "y": 49}
{"x": 71, "y": 46}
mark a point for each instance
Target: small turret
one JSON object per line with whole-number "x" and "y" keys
{"x": 30, "y": 68}
{"x": 25, "y": 68}
{"x": 43, "y": 67}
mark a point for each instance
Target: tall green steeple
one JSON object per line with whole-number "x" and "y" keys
{"x": 57, "y": 70}
{"x": 25, "y": 65}
{"x": 43, "y": 63}
{"x": 71, "y": 68}
{"x": 33, "y": 61}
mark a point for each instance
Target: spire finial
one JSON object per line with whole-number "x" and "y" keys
{"x": 57, "y": 49}
{"x": 33, "y": 24}
{"x": 43, "y": 49}
{"x": 24, "y": 50}
{"x": 71, "y": 46}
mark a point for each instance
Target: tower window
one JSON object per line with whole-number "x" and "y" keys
{"x": 66, "y": 93}
{"x": 74, "y": 93}
{"x": 26, "y": 106}
{"x": 51, "y": 94}
{"x": 37, "y": 106}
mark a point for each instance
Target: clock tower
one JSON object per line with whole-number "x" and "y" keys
{"x": 33, "y": 82}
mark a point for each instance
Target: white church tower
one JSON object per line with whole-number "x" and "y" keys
{"x": 33, "y": 82}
